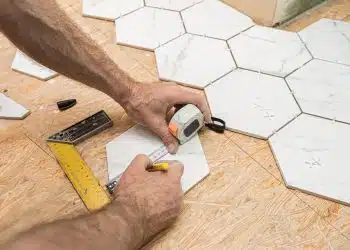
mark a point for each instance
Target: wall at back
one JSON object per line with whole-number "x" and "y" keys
{"x": 272, "y": 12}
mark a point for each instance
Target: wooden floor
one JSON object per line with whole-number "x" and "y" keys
{"x": 242, "y": 204}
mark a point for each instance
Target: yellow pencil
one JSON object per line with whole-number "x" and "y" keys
{"x": 160, "y": 166}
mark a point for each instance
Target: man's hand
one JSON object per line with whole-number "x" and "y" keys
{"x": 145, "y": 204}
{"x": 149, "y": 105}
{"x": 154, "y": 198}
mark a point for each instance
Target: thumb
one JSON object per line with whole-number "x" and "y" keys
{"x": 168, "y": 139}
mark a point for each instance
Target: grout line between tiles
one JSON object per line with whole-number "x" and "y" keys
{"x": 240, "y": 32}
{"x": 126, "y": 14}
{"x": 285, "y": 125}
{"x": 215, "y": 38}
{"x": 161, "y": 45}
{"x": 312, "y": 56}
{"x": 159, "y": 8}
{"x": 183, "y": 22}
{"x": 233, "y": 57}
{"x": 259, "y": 72}
{"x": 210, "y": 83}
{"x": 292, "y": 93}
{"x": 191, "y": 5}
{"x": 333, "y": 62}
{"x": 326, "y": 118}
{"x": 285, "y": 77}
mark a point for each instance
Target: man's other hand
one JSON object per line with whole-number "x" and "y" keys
{"x": 149, "y": 105}
{"x": 153, "y": 198}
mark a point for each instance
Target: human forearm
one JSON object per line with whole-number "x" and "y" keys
{"x": 116, "y": 227}
{"x": 44, "y": 32}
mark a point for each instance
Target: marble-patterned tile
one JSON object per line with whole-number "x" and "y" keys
{"x": 138, "y": 140}
{"x": 322, "y": 88}
{"x": 312, "y": 155}
{"x": 110, "y": 9}
{"x": 9, "y": 109}
{"x": 177, "y": 5}
{"x": 23, "y": 64}
{"x": 269, "y": 50}
{"x": 215, "y": 19}
{"x": 252, "y": 103}
{"x": 328, "y": 40}
{"x": 194, "y": 61}
{"x": 148, "y": 28}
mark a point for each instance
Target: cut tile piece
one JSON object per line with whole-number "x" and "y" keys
{"x": 252, "y": 103}
{"x": 268, "y": 50}
{"x": 148, "y": 28}
{"x": 23, "y": 64}
{"x": 110, "y": 9}
{"x": 194, "y": 61}
{"x": 177, "y": 5}
{"x": 215, "y": 19}
{"x": 323, "y": 89}
{"x": 328, "y": 40}
{"x": 312, "y": 154}
{"x": 138, "y": 140}
{"x": 9, "y": 109}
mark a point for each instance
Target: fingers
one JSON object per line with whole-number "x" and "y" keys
{"x": 184, "y": 95}
{"x": 140, "y": 163}
{"x": 176, "y": 169}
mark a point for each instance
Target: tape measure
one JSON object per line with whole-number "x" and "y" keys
{"x": 187, "y": 121}
{"x": 62, "y": 145}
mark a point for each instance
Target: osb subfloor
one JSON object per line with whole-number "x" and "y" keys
{"x": 242, "y": 204}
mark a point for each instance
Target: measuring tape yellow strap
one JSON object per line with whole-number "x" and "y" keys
{"x": 85, "y": 183}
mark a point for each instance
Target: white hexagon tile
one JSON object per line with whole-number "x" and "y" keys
{"x": 312, "y": 154}
{"x": 323, "y": 89}
{"x": 194, "y": 61}
{"x": 215, "y": 19}
{"x": 252, "y": 103}
{"x": 328, "y": 40}
{"x": 9, "y": 109}
{"x": 268, "y": 50}
{"x": 110, "y": 9}
{"x": 177, "y": 5}
{"x": 138, "y": 140}
{"x": 23, "y": 64}
{"x": 148, "y": 28}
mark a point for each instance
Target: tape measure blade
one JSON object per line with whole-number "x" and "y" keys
{"x": 80, "y": 175}
{"x": 157, "y": 154}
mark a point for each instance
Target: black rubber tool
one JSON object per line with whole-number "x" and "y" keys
{"x": 66, "y": 104}
{"x": 217, "y": 125}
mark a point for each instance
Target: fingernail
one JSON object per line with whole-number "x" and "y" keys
{"x": 172, "y": 148}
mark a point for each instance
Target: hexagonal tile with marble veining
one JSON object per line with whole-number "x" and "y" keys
{"x": 194, "y": 61}
{"x": 110, "y": 9}
{"x": 312, "y": 155}
{"x": 24, "y": 64}
{"x": 215, "y": 19}
{"x": 328, "y": 40}
{"x": 323, "y": 89}
{"x": 177, "y": 5}
{"x": 252, "y": 103}
{"x": 148, "y": 28}
{"x": 271, "y": 51}
{"x": 138, "y": 140}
